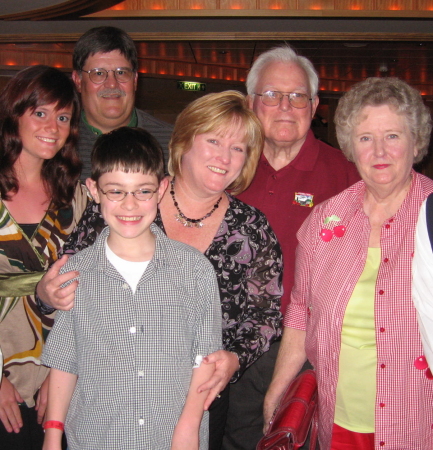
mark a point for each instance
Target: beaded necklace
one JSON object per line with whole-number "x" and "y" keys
{"x": 186, "y": 221}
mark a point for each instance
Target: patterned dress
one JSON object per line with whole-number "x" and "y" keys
{"x": 23, "y": 262}
{"x": 248, "y": 263}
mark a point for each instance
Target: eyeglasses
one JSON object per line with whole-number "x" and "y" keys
{"x": 116, "y": 195}
{"x": 98, "y": 76}
{"x": 296, "y": 99}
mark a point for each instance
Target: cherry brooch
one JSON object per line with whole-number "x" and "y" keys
{"x": 326, "y": 234}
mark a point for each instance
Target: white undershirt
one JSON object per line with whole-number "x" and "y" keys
{"x": 130, "y": 270}
{"x": 422, "y": 285}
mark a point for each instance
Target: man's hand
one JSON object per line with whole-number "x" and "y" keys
{"x": 270, "y": 404}
{"x": 290, "y": 360}
{"x": 49, "y": 289}
{"x": 10, "y": 414}
{"x": 226, "y": 364}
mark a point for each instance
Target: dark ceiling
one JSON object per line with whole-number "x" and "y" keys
{"x": 344, "y": 50}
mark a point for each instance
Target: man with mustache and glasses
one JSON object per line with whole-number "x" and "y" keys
{"x": 105, "y": 67}
{"x": 296, "y": 171}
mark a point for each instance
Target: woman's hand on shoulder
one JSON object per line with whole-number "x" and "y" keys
{"x": 10, "y": 413}
{"x": 226, "y": 364}
{"x": 50, "y": 289}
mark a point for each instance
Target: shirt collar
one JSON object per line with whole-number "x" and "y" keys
{"x": 132, "y": 123}
{"x": 307, "y": 156}
{"x": 406, "y": 210}
{"x": 305, "y": 159}
{"x": 165, "y": 252}
{"x": 408, "y": 213}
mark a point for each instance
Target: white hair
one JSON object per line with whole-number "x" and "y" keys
{"x": 284, "y": 54}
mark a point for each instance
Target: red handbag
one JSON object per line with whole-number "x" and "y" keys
{"x": 295, "y": 416}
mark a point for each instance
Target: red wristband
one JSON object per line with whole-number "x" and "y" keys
{"x": 54, "y": 424}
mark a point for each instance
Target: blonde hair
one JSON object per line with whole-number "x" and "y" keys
{"x": 217, "y": 112}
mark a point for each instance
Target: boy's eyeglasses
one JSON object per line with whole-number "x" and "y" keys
{"x": 98, "y": 76}
{"x": 296, "y": 99}
{"x": 116, "y": 195}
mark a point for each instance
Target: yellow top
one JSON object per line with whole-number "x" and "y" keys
{"x": 356, "y": 388}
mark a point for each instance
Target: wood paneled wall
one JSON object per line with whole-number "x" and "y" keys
{"x": 365, "y": 8}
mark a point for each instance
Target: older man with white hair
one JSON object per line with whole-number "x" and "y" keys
{"x": 296, "y": 172}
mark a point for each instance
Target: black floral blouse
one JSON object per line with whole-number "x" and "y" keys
{"x": 248, "y": 263}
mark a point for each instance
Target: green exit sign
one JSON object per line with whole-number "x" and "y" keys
{"x": 191, "y": 86}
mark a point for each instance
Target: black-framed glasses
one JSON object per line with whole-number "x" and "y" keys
{"x": 296, "y": 99}
{"x": 117, "y": 195}
{"x": 98, "y": 76}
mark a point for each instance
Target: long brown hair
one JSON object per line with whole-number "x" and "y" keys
{"x": 28, "y": 89}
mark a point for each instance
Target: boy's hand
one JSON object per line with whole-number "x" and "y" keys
{"x": 185, "y": 438}
{"x": 51, "y": 446}
{"x": 10, "y": 413}
{"x": 49, "y": 289}
{"x": 226, "y": 364}
{"x": 42, "y": 400}
{"x": 52, "y": 439}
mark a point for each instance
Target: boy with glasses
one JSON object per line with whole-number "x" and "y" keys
{"x": 126, "y": 359}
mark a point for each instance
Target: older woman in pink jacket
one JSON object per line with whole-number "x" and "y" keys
{"x": 351, "y": 311}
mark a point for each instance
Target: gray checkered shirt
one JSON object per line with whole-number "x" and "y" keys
{"x": 134, "y": 353}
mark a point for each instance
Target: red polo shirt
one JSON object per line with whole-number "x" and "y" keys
{"x": 319, "y": 171}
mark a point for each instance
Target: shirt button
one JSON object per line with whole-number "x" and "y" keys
{"x": 382, "y": 366}
{"x": 271, "y": 192}
{"x": 125, "y": 285}
{"x": 381, "y": 443}
{"x": 391, "y": 220}
{"x": 140, "y": 421}
{"x": 387, "y": 225}
{"x": 386, "y": 260}
{"x": 132, "y": 330}
{"x": 421, "y": 363}
{"x": 274, "y": 177}
{"x": 382, "y": 405}
{"x": 381, "y": 292}
{"x": 141, "y": 373}
{"x": 382, "y": 330}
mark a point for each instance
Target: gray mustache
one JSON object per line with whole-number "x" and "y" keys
{"x": 108, "y": 91}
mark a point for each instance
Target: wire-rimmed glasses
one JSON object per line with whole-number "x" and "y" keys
{"x": 296, "y": 99}
{"x": 98, "y": 76}
{"x": 117, "y": 195}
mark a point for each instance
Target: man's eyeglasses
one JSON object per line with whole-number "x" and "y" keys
{"x": 98, "y": 76}
{"x": 116, "y": 195}
{"x": 296, "y": 99}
